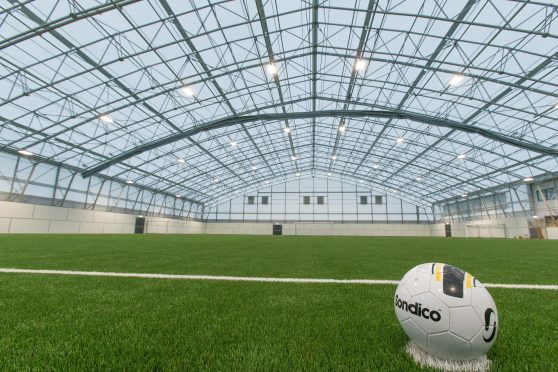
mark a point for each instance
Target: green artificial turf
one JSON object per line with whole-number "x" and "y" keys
{"x": 490, "y": 260}
{"x": 96, "y": 323}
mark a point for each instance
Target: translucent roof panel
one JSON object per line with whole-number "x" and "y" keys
{"x": 204, "y": 98}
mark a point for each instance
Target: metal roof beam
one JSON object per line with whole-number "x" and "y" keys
{"x": 394, "y": 114}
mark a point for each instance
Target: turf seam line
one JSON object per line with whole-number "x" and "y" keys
{"x": 249, "y": 278}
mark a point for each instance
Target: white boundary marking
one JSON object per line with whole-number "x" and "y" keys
{"x": 249, "y": 278}
{"x": 422, "y": 358}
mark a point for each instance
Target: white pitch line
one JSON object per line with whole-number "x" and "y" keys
{"x": 248, "y": 278}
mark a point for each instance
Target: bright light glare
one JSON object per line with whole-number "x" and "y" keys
{"x": 181, "y": 161}
{"x": 456, "y": 80}
{"x": 233, "y": 143}
{"x": 528, "y": 179}
{"x": 400, "y": 140}
{"x": 334, "y": 157}
{"x": 271, "y": 69}
{"x": 254, "y": 167}
{"x": 419, "y": 179}
{"x": 293, "y": 157}
{"x": 178, "y": 195}
{"x": 25, "y": 152}
{"x": 106, "y": 118}
{"x": 342, "y": 129}
{"x": 360, "y": 64}
{"x": 461, "y": 156}
{"x": 187, "y": 91}
{"x": 287, "y": 130}
{"x": 129, "y": 182}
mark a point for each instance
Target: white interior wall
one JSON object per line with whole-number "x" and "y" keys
{"x": 513, "y": 226}
{"x": 33, "y": 218}
{"x": 301, "y": 228}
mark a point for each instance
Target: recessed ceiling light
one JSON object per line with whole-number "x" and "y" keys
{"x": 400, "y": 140}
{"x": 461, "y": 156}
{"x": 528, "y": 179}
{"x": 287, "y": 130}
{"x": 233, "y": 143}
{"x": 106, "y": 118}
{"x": 271, "y": 69}
{"x": 25, "y": 152}
{"x": 456, "y": 80}
{"x": 187, "y": 91}
{"x": 181, "y": 161}
{"x": 129, "y": 182}
{"x": 360, "y": 64}
{"x": 342, "y": 128}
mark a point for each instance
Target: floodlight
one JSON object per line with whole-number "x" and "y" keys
{"x": 456, "y": 80}
{"x": 106, "y": 118}
{"x": 360, "y": 65}
{"x": 187, "y": 91}
{"x": 271, "y": 69}
{"x": 25, "y": 152}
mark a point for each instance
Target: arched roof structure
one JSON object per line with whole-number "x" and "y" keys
{"x": 203, "y": 98}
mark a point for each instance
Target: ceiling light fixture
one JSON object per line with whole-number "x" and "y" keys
{"x": 129, "y": 182}
{"x": 178, "y": 195}
{"x": 187, "y": 91}
{"x": 419, "y": 179}
{"x": 342, "y": 128}
{"x": 271, "y": 69}
{"x": 287, "y": 130}
{"x": 293, "y": 157}
{"x": 106, "y": 118}
{"x": 333, "y": 157}
{"x": 456, "y": 80}
{"x": 461, "y": 156}
{"x": 360, "y": 65}
{"x": 181, "y": 161}
{"x": 233, "y": 143}
{"x": 528, "y": 179}
{"x": 25, "y": 152}
{"x": 400, "y": 140}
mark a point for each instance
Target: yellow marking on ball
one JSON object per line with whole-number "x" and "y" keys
{"x": 438, "y": 271}
{"x": 468, "y": 280}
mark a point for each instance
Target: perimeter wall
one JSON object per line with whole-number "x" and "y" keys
{"x": 34, "y": 218}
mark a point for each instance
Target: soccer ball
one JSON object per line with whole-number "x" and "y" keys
{"x": 446, "y": 311}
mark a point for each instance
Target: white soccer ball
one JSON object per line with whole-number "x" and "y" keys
{"x": 447, "y": 312}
